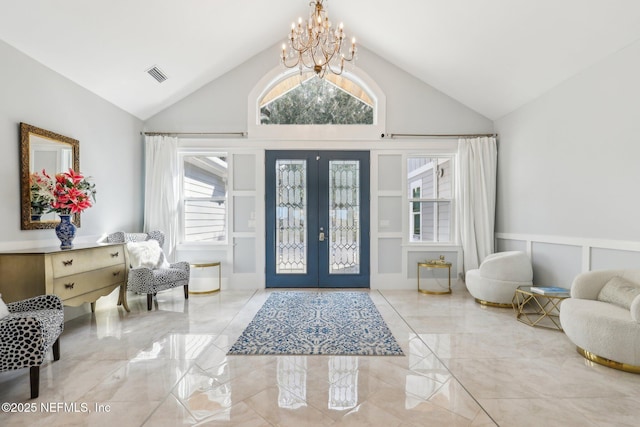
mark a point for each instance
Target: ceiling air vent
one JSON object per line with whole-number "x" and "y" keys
{"x": 157, "y": 74}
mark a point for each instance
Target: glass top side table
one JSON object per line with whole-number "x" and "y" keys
{"x": 431, "y": 265}
{"x": 535, "y": 309}
{"x": 205, "y": 264}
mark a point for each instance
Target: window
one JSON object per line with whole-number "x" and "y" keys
{"x": 204, "y": 189}
{"x": 305, "y": 99}
{"x": 430, "y": 193}
{"x": 416, "y": 210}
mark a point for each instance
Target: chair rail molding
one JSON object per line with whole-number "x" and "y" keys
{"x": 585, "y": 243}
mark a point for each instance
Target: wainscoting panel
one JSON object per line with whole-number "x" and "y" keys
{"x": 390, "y": 214}
{"x": 605, "y": 259}
{"x": 244, "y": 250}
{"x": 244, "y": 172}
{"x": 388, "y": 177}
{"x": 557, "y": 260}
{"x": 414, "y": 257}
{"x": 503, "y": 245}
{"x": 244, "y": 214}
{"x": 555, "y": 265}
{"x": 389, "y": 255}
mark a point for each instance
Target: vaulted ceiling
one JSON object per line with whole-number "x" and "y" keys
{"x": 491, "y": 55}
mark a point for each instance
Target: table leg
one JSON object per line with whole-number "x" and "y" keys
{"x": 122, "y": 297}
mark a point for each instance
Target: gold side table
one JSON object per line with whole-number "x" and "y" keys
{"x": 536, "y": 309}
{"x": 205, "y": 265}
{"x": 436, "y": 264}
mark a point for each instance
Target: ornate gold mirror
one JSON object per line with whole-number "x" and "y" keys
{"x": 41, "y": 149}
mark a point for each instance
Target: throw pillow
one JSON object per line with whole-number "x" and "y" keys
{"x": 620, "y": 292}
{"x": 147, "y": 254}
{"x": 4, "y": 311}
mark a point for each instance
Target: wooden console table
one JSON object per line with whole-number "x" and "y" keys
{"x": 78, "y": 275}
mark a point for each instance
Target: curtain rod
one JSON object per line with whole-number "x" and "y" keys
{"x": 424, "y": 135}
{"x": 242, "y": 134}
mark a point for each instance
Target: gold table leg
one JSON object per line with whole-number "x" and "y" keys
{"x": 545, "y": 307}
{"x": 428, "y": 265}
{"x": 209, "y": 264}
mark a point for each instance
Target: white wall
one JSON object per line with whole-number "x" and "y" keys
{"x": 110, "y": 148}
{"x": 411, "y": 107}
{"x": 110, "y": 152}
{"x": 568, "y": 172}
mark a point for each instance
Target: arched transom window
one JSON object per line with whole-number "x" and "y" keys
{"x": 305, "y": 99}
{"x": 293, "y": 106}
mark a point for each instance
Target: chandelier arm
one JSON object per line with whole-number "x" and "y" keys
{"x": 352, "y": 55}
{"x": 330, "y": 53}
{"x": 337, "y": 73}
{"x": 303, "y": 59}
{"x": 316, "y": 45}
{"x": 295, "y": 64}
{"x": 325, "y": 60}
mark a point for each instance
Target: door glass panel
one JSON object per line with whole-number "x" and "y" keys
{"x": 344, "y": 217}
{"x": 291, "y": 216}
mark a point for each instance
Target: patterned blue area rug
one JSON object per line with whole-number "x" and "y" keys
{"x": 333, "y": 323}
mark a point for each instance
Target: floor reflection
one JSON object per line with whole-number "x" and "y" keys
{"x": 292, "y": 382}
{"x": 343, "y": 382}
{"x": 177, "y": 346}
{"x": 206, "y": 397}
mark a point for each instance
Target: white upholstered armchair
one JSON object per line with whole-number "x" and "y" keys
{"x": 602, "y": 317}
{"x": 150, "y": 272}
{"x": 498, "y": 277}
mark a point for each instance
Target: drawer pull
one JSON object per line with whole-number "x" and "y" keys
{"x": 115, "y": 255}
{"x": 116, "y": 273}
{"x": 67, "y": 263}
{"x": 69, "y": 285}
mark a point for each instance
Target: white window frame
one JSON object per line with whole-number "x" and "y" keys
{"x": 408, "y": 185}
{"x": 182, "y": 153}
{"x": 415, "y": 185}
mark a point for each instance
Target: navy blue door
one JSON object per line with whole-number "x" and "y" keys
{"x": 317, "y": 219}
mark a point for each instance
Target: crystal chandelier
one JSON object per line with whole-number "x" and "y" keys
{"x": 315, "y": 45}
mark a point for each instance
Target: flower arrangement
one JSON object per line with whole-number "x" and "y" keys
{"x": 41, "y": 193}
{"x": 69, "y": 192}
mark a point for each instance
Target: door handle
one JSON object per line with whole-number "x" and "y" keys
{"x": 321, "y": 235}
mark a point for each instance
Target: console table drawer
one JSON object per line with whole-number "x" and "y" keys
{"x": 78, "y": 275}
{"x": 73, "y": 262}
{"x": 78, "y": 284}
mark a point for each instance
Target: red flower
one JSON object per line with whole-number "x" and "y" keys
{"x": 72, "y": 193}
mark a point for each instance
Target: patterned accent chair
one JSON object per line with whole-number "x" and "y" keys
{"x": 32, "y": 327}
{"x": 150, "y": 281}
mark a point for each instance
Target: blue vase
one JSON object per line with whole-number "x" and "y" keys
{"x": 65, "y": 231}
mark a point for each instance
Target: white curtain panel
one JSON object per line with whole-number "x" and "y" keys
{"x": 162, "y": 188}
{"x": 477, "y": 168}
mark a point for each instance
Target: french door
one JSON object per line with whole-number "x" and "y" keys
{"x": 317, "y": 219}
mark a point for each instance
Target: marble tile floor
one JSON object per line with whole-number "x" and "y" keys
{"x": 464, "y": 365}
